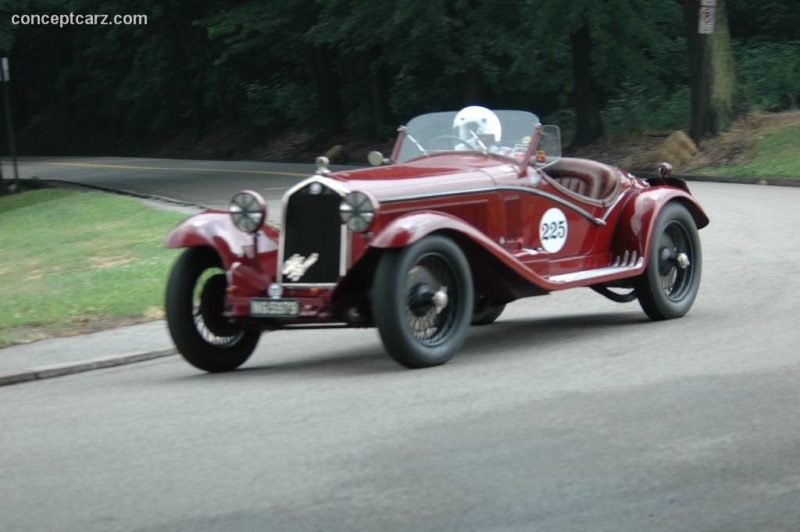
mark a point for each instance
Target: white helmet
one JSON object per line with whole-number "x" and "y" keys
{"x": 479, "y": 120}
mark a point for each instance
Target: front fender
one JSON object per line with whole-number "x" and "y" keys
{"x": 638, "y": 218}
{"x": 408, "y": 229}
{"x": 214, "y": 229}
{"x": 481, "y": 251}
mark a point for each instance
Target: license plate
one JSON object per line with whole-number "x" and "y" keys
{"x": 274, "y": 307}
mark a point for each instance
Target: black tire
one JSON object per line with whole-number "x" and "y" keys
{"x": 423, "y": 301}
{"x": 668, "y": 287}
{"x": 194, "y": 303}
{"x": 486, "y": 312}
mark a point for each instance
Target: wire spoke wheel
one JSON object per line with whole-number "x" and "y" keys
{"x": 430, "y": 313}
{"x": 675, "y": 278}
{"x": 668, "y": 287}
{"x": 423, "y": 301}
{"x": 207, "y": 305}
{"x": 195, "y": 305}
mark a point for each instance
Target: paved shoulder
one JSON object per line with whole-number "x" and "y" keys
{"x": 64, "y": 356}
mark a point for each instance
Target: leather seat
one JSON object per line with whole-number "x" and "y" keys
{"x": 584, "y": 177}
{"x": 579, "y": 185}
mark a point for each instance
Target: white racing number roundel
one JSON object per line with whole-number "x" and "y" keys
{"x": 553, "y": 230}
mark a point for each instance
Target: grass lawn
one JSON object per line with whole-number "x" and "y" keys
{"x": 774, "y": 154}
{"x": 74, "y": 261}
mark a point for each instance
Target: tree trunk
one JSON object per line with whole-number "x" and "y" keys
{"x": 713, "y": 82}
{"x": 379, "y": 91}
{"x": 330, "y": 103}
{"x": 198, "y": 107}
{"x": 589, "y": 124}
{"x": 471, "y": 86}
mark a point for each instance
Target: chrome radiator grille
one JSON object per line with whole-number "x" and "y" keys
{"x": 311, "y": 237}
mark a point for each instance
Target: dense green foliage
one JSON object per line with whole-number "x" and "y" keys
{"x": 768, "y": 72}
{"x": 364, "y": 66}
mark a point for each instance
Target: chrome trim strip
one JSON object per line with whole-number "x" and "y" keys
{"x": 551, "y": 197}
{"x": 345, "y": 242}
{"x": 309, "y": 285}
{"x": 327, "y": 181}
{"x": 614, "y": 205}
{"x": 599, "y": 272}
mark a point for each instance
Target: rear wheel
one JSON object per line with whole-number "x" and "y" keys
{"x": 423, "y": 301}
{"x": 486, "y": 312}
{"x": 195, "y": 302}
{"x": 668, "y": 287}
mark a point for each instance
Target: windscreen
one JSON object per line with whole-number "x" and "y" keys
{"x": 505, "y": 133}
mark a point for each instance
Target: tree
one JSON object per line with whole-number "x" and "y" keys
{"x": 398, "y": 58}
{"x": 713, "y": 80}
{"x": 775, "y": 20}
{"x": 287, "y": 75}
{"x": 610, "y": 44}
{"x": 588, "y": 123}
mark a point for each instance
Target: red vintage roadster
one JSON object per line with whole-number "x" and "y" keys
{"x": 472, "y": 210}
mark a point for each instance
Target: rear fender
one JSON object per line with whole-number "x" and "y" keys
{"x": 215, "y": 230}
{"x": 638, "y": 219}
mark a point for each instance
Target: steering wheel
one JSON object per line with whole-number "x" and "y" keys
{"x": 455, "y": 141}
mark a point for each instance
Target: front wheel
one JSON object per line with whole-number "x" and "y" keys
{"x": 195, "y": 302}
{"x": 668, "y": 287}
{"x": 423, "y": 301}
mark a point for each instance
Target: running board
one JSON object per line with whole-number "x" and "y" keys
{"x": 628, "y": 262}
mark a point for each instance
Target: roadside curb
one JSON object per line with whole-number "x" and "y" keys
{"x": 71, "y": 368}
{"x": 61, "y": 183}
{"x": 770, "y": 181}
{"x": 763, "y": 181}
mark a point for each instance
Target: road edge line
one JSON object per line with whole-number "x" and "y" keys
{"x": 70, "y": 368}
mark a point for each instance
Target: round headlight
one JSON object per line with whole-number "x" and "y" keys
{"x": 248, "y": 210}
{"x": 357, "y": 211}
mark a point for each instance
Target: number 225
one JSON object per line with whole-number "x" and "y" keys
{"x": 554, "y": 230}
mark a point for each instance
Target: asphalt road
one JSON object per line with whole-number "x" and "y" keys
{"x": 205, "y": 183}
{"x": 570, "y": 413}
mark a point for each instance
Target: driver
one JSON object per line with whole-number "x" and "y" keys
{"x": 479, "y": 128}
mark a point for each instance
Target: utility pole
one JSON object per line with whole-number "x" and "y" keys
{"x": 705, "y": 28}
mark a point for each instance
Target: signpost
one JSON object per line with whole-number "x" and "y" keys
{"x": 708, "y": 9}
{"x": 706, "y": 22}
{"x": 5, "y": 78}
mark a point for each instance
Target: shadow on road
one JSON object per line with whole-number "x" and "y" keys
{"x": 528, "y": 337}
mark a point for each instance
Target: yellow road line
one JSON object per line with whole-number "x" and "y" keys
{"x": 130, "y": 167}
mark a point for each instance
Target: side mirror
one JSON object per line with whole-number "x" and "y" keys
{"x": 376, "y": 158}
